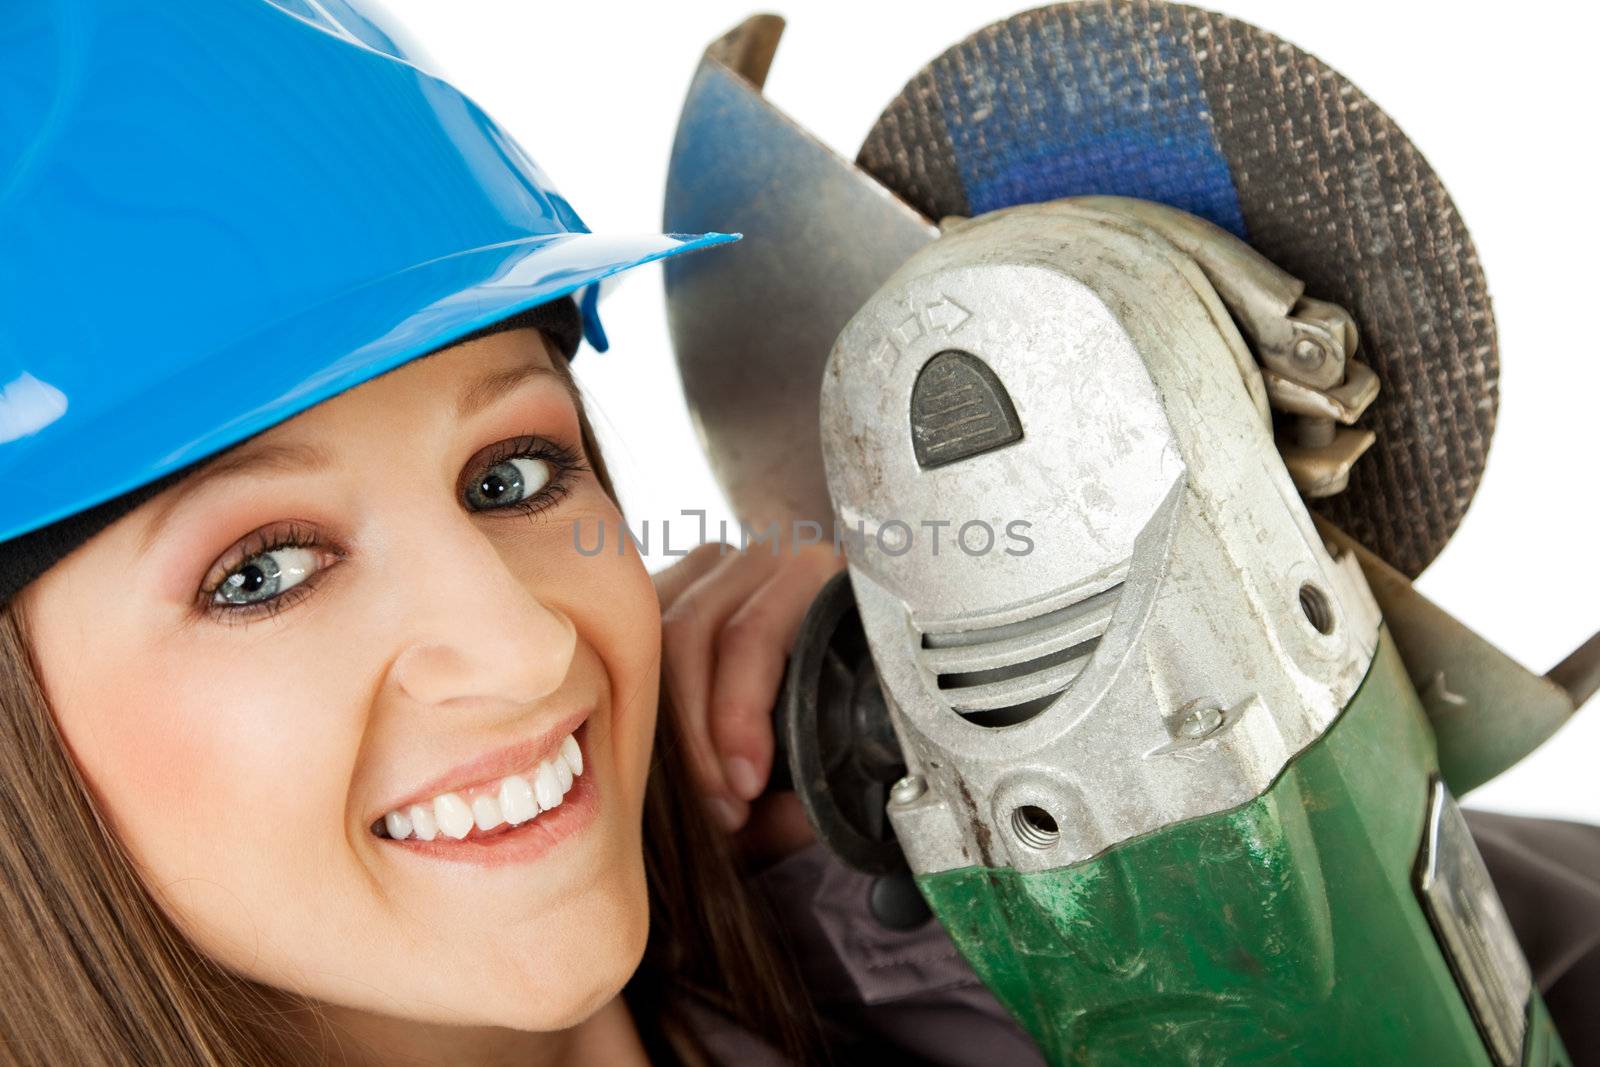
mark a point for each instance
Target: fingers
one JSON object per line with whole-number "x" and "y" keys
{"x": 690, "y": 626}
{"x": 752, "y": 649}
{"x": 671, "y": 581}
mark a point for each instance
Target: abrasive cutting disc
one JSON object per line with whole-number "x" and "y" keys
{"x": 1220, "y": 118}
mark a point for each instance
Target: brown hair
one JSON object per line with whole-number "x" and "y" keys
{"x": 93, "y": 972}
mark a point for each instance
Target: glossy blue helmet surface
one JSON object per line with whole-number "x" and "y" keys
{"x": 217, "y": 213}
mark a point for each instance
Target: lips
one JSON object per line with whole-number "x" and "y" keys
{"x": 484, "y": 773}
{"x": 505, "y": 844}
{"x": 490, "y": 806}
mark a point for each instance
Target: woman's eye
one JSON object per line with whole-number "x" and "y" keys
{"x": 266, "y": 575}
{"x": 509, "y": 482}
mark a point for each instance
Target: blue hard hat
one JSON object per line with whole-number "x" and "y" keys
{"x": 216, "y": 213}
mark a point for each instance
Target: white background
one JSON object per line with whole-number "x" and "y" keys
{"x": 1499, "y": 98}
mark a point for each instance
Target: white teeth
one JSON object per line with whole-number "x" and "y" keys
{"x": 547, "y": 786}
{"x": 517, "y": 798}
{"x": 453, "y": 815}
{"x": 486, "y": 813}
{"x": 422, "y": 822}
{"x": 398, "y": 823}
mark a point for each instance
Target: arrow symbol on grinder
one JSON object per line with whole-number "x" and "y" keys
{"x": 946, "y": 315}
{"x": 908, "y": 331}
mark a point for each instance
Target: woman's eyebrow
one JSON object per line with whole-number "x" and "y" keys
{"x": 480, "y": 391}
{"x": 283, "y": 458}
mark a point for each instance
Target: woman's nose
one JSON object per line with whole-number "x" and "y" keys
{"x": 475, "y": 632}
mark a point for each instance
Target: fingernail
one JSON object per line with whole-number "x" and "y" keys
{"x": 744, "y": 778}
{"x": 723, "y": 813}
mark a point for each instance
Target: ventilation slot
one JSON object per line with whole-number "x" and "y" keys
{"x": 1007, "y": 674}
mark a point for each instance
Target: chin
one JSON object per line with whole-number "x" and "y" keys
{"x": 567, "y": 978}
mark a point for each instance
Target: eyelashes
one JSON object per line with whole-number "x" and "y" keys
{"x": 563, "y": 462}
{"x": 252, "y": 562}
{"x": 270, "y": 570}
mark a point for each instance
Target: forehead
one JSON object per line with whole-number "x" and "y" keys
{"x": 461, "y": 377}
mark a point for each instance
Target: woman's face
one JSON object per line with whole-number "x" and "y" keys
{"x": 356, "y": 613}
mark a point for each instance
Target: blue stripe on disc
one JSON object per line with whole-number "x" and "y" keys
{"x": 1126, "y": 116}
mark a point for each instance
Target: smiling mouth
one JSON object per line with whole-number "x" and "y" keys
{"x": 495, "y": 808}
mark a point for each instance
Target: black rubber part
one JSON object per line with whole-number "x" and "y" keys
{"x": 897, "y": 903}
{"x": 834, "y": 734}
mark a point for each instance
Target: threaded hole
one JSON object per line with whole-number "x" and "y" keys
{"x": 1319, "y": 613}
{"x": 1035, "y": 827}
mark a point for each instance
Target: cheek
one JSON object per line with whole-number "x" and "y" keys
{"x": 634, "y": 662}
{"x": 171, "y": 734}
{"x": 612, "y": 601}
{"x": 223, "y": 767}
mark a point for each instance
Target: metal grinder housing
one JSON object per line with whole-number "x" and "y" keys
{"x": 1167, "y": 777}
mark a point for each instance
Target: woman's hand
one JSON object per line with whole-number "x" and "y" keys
{"x": 728, "y": 621}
